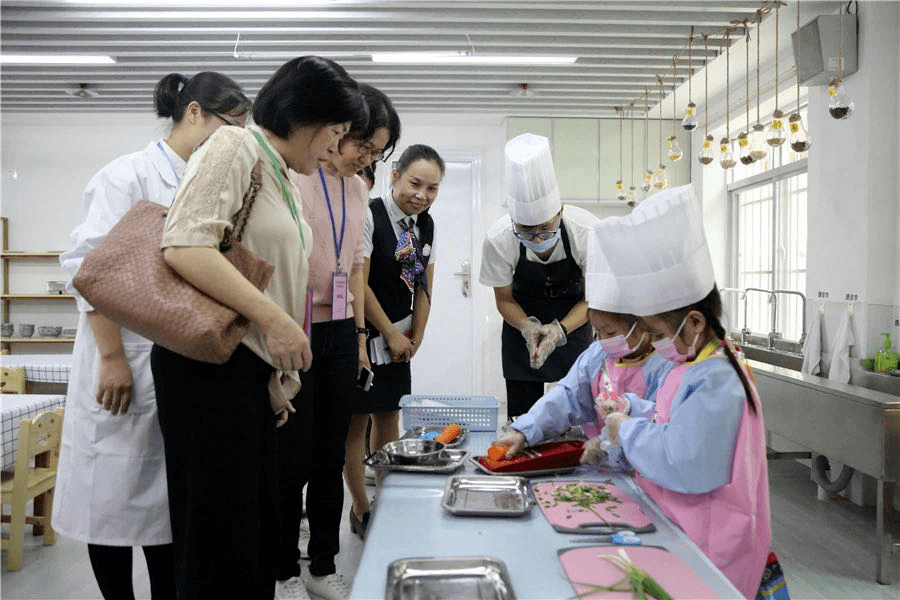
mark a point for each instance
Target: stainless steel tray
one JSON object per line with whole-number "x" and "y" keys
{"x": 478, "y": 495}
{"x": 380, "y": 461}
{"x": 538, "y": 473}
{"x": 430, "y": 578}
{"x": 415, "y": 432}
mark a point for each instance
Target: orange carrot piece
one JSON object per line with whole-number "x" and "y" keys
{"x": 497, "y": 452}
{"x": 449, "y": 434}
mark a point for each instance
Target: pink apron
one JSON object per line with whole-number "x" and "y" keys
{"x": 614, "y": 378}
{"x": 731, "y": 524}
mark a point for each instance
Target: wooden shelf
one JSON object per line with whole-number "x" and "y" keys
{"x": 38, "y": 340}
{"x": 50, "y": 254}
{"x": 35, "y": 296}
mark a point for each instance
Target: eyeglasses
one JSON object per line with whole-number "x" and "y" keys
{"x": 226, "y": 121}
{"x": 536, "y": 235}
{"x": 370, "y": 150}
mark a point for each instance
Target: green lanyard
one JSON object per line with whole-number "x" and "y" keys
{"x": 287, "y": 196}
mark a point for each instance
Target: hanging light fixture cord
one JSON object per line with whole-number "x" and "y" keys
{"x": 706, "y": 82}
{"x": 758, "y": 24}
{"x": 796, "y": 68}
{"x": 659, "y": 79}
{"x": 632, "y": 145}
{"x": 674, "y": 105}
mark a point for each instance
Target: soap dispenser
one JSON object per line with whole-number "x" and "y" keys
{"x": 886, "y": 360}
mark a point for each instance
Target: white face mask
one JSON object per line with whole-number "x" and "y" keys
{"x": 617, "y": 347}
{"x": 666, "y": 347}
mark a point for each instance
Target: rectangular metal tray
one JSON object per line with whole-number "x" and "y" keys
{"x": 417, "y": 431}
{"x": 479, "y": 495}
{"x": 380, "y": 461}
{"x": 483, "y": 577}
{"x": 538, "y": 473}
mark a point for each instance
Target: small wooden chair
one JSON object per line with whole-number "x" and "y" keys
{"x": 40, "y": 438}
{"x": 12, "y": 380}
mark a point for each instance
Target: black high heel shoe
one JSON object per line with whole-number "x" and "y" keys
{"x": 357, "y": 525}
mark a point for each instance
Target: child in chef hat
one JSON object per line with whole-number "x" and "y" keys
{"x": 619, "y": 372}
{"x": 701, "y": 456}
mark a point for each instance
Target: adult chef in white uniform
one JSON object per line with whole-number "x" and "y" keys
{"x": 535, "y": 259}
{"x": 111, "y": 487}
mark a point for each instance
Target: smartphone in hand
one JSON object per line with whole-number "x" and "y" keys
{"x": 366, "y": 377}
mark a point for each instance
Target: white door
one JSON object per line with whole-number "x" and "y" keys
{"x": 447, "y": 362}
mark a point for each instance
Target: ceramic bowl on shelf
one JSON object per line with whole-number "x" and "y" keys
{"x": 69, "y": 331}
{"x": 49, "y": 330}
{"x": 26, "y": 329}
{"x": 7, "y": 329}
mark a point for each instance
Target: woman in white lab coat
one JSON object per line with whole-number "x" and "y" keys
{"x": 111, "y": 488}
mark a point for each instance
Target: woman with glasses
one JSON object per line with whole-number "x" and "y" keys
{"x": 535, "y": 259}
{"x": 111, "y": 487}
{"x": 311, "y": 444}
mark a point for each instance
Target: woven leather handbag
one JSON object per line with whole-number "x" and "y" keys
{"x": 127, "y": 279}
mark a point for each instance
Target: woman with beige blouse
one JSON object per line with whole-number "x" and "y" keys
{"x": 218, "y": 421}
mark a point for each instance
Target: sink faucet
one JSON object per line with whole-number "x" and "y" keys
{"x": 773, "y": 335}
{"x": 802, "y": 311}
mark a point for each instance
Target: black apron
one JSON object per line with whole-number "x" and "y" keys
{"x": 546, "y": 291}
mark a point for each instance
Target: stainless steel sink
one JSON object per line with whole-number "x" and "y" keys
{"x": 778, "y": 358}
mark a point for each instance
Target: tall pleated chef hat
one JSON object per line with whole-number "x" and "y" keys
{"x": 654, "y": 260}
{"x": 532, "y": 193}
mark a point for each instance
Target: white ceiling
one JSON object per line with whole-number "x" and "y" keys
{"x": 622, "y": 46}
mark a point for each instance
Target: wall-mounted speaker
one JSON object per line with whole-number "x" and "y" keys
{"x": 818, "y": 49}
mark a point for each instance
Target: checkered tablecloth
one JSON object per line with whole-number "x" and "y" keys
{"x": 14, "y": 408}
{"x": 46, "y": 368}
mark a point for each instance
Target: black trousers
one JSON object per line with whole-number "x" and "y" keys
{"x": 521, "y": 396}
{"x": 311, "y": 451}
{"x": 219, "y": 432}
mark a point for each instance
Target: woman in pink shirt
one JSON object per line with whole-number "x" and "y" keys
{"x": 311, "y": 446}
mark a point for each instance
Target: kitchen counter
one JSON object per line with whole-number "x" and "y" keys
{"x": 408, "y": 521}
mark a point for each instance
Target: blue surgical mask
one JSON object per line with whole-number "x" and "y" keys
{"x": 540, "y": 248}
{"x": 666, "y": 347}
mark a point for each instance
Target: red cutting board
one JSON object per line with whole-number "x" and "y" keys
{"x": 550, "y": 455}
{"x": 586, "y": 565}
{"x": 624, "y": 514}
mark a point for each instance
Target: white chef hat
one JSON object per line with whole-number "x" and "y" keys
{"x": 532, "y": 193}
{"x": 654, "y": 260}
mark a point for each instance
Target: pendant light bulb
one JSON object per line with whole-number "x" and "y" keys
{"x": 744, "y": 148}
{"x": 800, "y": 140}
{"x": 706, "y": 151}
{"x": 674, "y": 151}
{"x": 758, "y": 146}
{"x": 660, "y": 178}
{"x": 690, "y": 122}
{"x": 648, "y": 181}
{"x": 726, "y": 158}
{"x": 632, "y": 197}
{"x": 840, "y": 106}
{"x": 620, "y": 190}
{"x": 775, "y": 133}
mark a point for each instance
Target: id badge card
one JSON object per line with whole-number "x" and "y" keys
{"x": 338, "y": 296}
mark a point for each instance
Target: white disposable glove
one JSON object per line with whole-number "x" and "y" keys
{"x": 614, "y": 403}
{"x": 531, "y": 331}
{"x": 594, "y": 452}
{"x": 513, "y": 438}
{"x": 552, "y": 337}
{"x": 613, "y": 422}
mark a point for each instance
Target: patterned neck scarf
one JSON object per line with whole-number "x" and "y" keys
{"x": 408, "y": 254}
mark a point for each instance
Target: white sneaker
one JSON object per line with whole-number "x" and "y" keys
{"x": 292, "y": 589}
{"x": 328, "y": 587}
{"x": 303, "y": 539}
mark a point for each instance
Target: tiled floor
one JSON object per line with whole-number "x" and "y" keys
{"x": 827, "y": 549}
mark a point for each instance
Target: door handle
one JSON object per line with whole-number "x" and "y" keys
{"x": 464, "y": 273}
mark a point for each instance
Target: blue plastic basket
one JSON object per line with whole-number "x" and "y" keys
{"x": 475, "y": 413}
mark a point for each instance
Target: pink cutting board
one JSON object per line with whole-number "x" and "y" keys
{"x": 586, "y": 565}
{"x": 568, "y": 514}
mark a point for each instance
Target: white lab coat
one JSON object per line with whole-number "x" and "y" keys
{"x": 111, "y": 486}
